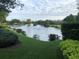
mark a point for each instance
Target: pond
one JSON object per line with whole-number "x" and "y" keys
{"x": 41, "y": 31}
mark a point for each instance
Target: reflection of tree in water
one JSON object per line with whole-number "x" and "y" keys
{"x": 36, "y": 37}
{"x": 29, "y": 22}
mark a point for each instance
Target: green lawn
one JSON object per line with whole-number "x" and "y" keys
{"x": 32, "y": 49}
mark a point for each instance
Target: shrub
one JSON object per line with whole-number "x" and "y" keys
{"x": 20, "y": 31}
{"x": 36, "y": 37}
{"x": 53, "y": 37}
{"x": 70, "y": 49}
{"x": 70, "y": 31}
{"x": 7, "y": 38}
{"x": 74, "y": 34}
{"x": 70, "y": 27}
{"x": 4, "y": 25}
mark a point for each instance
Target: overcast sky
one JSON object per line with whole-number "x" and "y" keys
{"x": 44, "y": 9}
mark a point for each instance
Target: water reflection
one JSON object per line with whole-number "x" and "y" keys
{"x": 41, "y": 31}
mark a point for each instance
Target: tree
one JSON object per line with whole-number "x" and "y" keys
{"x": 3, "y": 15}
{"x": 29, "y": 21}
{"x": 77, "y": 4}
{"x": 70, "y": 28}
{"x": 15, "y": 21}
{"x": 70, "y": 19}
{"x": 77, "y": 18}
{"x": 7, "y": 4}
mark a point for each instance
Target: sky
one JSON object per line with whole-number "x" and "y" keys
{"x": 44, "y": 9}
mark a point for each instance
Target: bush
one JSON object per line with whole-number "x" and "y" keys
{"x": 74, "y": 34}
{"x": 36, "y": 37}
{"x": 70, "y": 49}
{"x": 70, "y": 31}
{"x": 70, "y": 27}
{"x": 4, "y": 25}
{"x": 20, "y": 31}
{"x": 53, "y": 37}
{"x": 7, "y": 38}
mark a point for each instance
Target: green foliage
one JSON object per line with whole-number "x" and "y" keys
{"x": 7, "y": 38}
{"x": 4, "y": 26}
{"x": 20, "y": 31}
{"x": 77, "y": 18}
{"x": 3, "y": 15}
{"x": 70, "y": 31}
{"x": 46, "y": 23}
{"x": 32, "y": 49}
{"x": 53, "y": 37}
{"x": 74, "y": 34}
{"x": 70, "y": 19}
{"x": 29, "y": 21}
{"x": 70, "y": 28}
{"x": 70, "y": 49}
{"x": 14, "y": 22}
{"x": 8, "y": 4}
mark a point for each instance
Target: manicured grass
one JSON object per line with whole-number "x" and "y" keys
{"x": 32, "y": 49}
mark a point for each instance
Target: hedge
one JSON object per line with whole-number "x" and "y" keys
{"x": 7, "y": 38}
{"x": 70, "y": 31}
{"x": 70, "y": 49}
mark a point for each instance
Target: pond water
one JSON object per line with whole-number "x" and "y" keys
{"x": 42, "y": 32}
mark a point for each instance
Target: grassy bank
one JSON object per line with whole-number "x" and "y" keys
{"x": 31, "y": 49}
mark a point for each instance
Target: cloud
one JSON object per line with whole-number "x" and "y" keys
{"x": 45, "y": 9}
